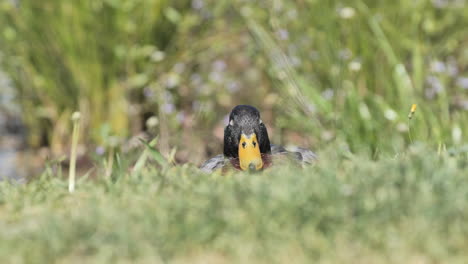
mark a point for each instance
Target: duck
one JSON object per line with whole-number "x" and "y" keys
{"x": 247, "y": 147}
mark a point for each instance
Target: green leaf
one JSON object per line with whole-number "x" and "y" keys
{"x": 155, "y": 154}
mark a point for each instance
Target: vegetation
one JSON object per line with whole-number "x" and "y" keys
{"x": 337, "y": 76}
{"x": 411, "y": 209}
{"x": 320, "y": 71}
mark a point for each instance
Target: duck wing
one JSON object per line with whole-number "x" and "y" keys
{"x": 307, "y": 155}
{"x": 301, "y": 154}
{"x": 213, "y": 164}
{"x": 277, "y": 149}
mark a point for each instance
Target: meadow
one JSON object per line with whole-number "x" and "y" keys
{"x": 153, "y": 81}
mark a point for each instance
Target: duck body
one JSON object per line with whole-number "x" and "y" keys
{"x": 247, "y": 145}
{"x": 300, "y": 156}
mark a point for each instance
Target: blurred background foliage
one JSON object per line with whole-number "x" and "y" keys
{"x": 319, "y": 71}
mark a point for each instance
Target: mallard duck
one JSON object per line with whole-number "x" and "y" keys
{"x": 247, "y": 146}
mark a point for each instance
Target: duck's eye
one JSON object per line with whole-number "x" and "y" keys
{"x": 254, "y": 143}
{"x": 244, "y": 144}
{"x": 231, "y": 122}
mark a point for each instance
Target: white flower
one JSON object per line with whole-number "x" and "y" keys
{"x": 354, "y": 66}
{"x": 364, "y": 111}
{"x": 402, "y": 127}
{"x": 438, "y": 66}
{"x": 390, "y": 114}
{"x": 197, "y": 4}
{"x": 463, "y": 82}
{"x": 347, "y": 12}
{"x": 152, "y": 122}
{"x": 328, "y": 94}
{"x": 76, "y": 116}
{"x": 456, "y": 134}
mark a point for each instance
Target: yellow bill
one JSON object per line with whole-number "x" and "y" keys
{"x": 250, "y": 157}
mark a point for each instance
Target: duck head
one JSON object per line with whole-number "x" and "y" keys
{"x": 246, "y": 137}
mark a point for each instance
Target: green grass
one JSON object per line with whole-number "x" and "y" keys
{"x": 406, "y": 209}
{"x": 319, "y": 71}
{"x": 68, "y": 56}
